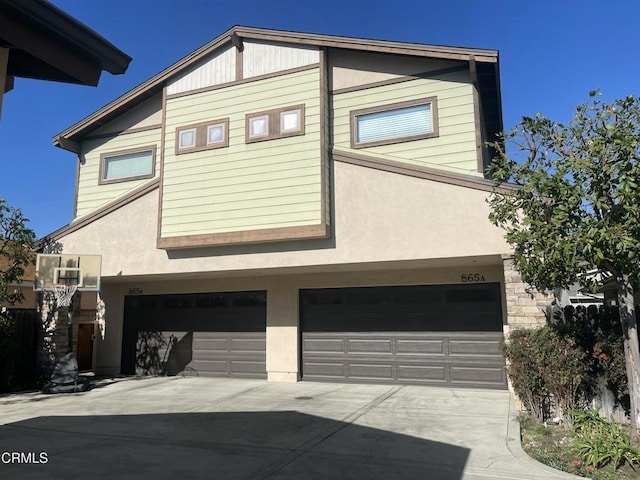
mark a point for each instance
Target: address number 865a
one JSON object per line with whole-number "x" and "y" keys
{"x": 472, "y": 278}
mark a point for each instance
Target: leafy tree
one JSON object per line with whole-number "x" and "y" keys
{"x": 576, "y": 206}
{"x": 16, "y": 252}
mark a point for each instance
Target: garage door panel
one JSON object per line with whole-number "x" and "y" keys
{"x": 474, "y": 321}
{"x": 474, "y": 347}
{"x": 256, "y": 345}
{"x": 226, "y": 334}
{"x": 420, "y": 346}
{"x": 432, "y": 335}
{"x": 325, "y": 370}
{"x": 364, "y": 346}
{"x": 359, "y": 371}
{"x": 408, "y": 322}
{"x": 417, "y": 373}
{"x": 246, "y": 368}
{"x": 162, "y": 352}
{"x": 212, "y": 367}
{"x": 315, "y": 345}
{"x": 210, "y": 344}
{"x": 476, "y": 375}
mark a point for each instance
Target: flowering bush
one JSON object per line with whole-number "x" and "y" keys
{"x": 608, "y": 357}
{"x": 544, "y": 363}
{"x": 558, "y": 365}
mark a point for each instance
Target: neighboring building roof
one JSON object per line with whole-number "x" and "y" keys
{"x": 29, "y": 270}
{"x": 46, "y": 43}
{"x": 483, "y": 62}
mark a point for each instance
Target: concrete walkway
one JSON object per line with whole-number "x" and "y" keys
{"x": 192, "y": 428}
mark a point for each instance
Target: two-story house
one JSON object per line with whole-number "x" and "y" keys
{"x": 297, "y": 206}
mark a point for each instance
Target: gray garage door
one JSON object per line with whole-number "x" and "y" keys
{"x": 430, "y": 334}
{"x": 205, "y": 334}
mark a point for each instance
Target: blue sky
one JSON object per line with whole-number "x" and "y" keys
{"x": 551, "y": 54}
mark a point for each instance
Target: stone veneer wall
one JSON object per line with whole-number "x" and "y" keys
{"x": 526, "y": 307}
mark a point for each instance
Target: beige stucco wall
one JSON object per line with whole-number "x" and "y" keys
{"x": 379, "y": 217}
{"x": 390, "y": 229}
{"x": 282, "y": 304}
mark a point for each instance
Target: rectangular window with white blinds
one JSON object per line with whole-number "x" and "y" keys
{"x": 400, "y": 122}
{"x": 127, "y": 165}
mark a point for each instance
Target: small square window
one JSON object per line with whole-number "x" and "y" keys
{"x": 259, "y": 126}
{"x": 277, "y": 123}
{"x": 290, "y": 121}
{"x": 187, "y": 138}
{"x": 215, "y": 134}
{"x": 202, "y": 136}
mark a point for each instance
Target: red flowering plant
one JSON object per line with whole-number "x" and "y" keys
{"x": 609, "y": 362}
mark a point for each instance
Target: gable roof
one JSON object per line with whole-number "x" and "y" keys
{"x": 485, "y": 62}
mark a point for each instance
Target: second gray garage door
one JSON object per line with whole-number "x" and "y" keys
{"x": 204, "y": 334}
{"x": 427, "y": 334}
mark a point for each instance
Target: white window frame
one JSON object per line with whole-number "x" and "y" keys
{"x": 298, "y": 115}
{"x": 182, "y": 146}
{"x": 222, "y": 128}
{"x": 252, "y": 135}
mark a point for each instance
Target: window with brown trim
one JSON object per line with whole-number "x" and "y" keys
{"x": 394, "y": 123}
{"x": 202, "y": 136}
{"x": 277, "y": 123}
{"x": 127, "y": 165}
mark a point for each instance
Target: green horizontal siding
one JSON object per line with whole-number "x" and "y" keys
{"x": 92, "y": 195}
{"x": 269, "y": 184}
{"x": 200, "y": 192}
{"x": 454, "y": 149}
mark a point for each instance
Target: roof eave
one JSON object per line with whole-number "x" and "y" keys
{"x": 47, "y": 16}
{"x": 415, "y": 49}
{"x": 155, "y": 83}
{"x": 146, "y": 86}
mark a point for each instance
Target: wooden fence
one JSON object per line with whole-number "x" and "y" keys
{"x": 25, "y": 357}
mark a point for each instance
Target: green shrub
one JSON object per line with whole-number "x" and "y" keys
{"x": 544, "y": 363}
{"x": 561, "y": 365}
{"x": 526, "y": 373}
{"x": 599, "y": 332}
{"x": 600, "y": 442}
{"x": 609, "y": 363}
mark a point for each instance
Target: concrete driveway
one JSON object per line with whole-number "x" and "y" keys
{"x": 191, "y": 428}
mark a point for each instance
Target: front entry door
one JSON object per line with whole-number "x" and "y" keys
{"x": 85, "y": 346}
